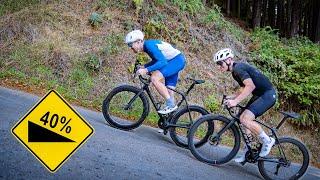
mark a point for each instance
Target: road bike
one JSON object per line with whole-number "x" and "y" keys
{"x": 288, "y": 159}
{"x": 131, "y": 103}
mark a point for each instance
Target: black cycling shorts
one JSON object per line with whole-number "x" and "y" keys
{"x": 260, "y": 104}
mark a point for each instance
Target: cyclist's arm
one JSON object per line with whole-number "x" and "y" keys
{"x": 160, "y": 60}
{"x": 247, "y": 90}
{"x": 149, "y": 64}
{"x": 236, "y": 94}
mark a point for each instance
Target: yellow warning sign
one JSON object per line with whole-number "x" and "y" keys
{"x": 52, "y": 130}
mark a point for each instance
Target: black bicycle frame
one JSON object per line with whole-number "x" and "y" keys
{"x": 146, "y": 88}
{"x": 236, "y": 119}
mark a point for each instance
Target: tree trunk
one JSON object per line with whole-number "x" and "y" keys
{"x": 264, "y": 13}
{"x": 288, "y": 17}
{"x": 310, "y": 23}
{"x": 239, "y": 9}
{"x": 295, "y": 18}
{"x": 301, "y": 23}
{"x": 272, "y": 13}
{"x": 256, "y": 16}
{"x": 228, "y": 7}
{"x": 280, "y": 16}
{"x": 315, "y": 33}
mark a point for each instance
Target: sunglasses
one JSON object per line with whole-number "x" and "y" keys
{"x": 130, "y": 44}
{"x": 219, "y": 63}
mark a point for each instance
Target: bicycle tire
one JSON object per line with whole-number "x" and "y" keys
{"x": 211, "y": 159}
{"x": 113, "y": 121}
{"x": 180, "y": 138}
{"x": 306, "y": 158}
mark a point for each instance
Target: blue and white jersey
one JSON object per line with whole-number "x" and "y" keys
{"x": 160, "y": 53}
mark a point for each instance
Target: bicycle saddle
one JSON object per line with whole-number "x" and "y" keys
{"x": 290, "y": 114}
{"x": 197, "y": 81}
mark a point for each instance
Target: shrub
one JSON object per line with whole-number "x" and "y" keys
{"x": 95, "y": 19}
{"x": 93, "y": 63}
{"x": 191, "y": 6}
{"x": 138, "y": 4}
{"x": 114, "y": 44}
{"x": 212, "y": 103}
{"x": 293, "y": 66}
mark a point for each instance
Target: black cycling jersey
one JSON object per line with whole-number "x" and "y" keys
{"x": 243, "y": 71}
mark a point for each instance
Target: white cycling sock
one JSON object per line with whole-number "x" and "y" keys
{"x": 264, "y": 137}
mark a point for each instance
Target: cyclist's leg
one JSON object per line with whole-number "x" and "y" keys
{"x": 171, "y": 82}
{"x": 173, "y": 67}
{"x": 257, "y": 108}
{"x": 160, "y": 87}
{"x": 253, "y": 99}
{"x": 247, "y": 118}
{"x": 171, "y": 72}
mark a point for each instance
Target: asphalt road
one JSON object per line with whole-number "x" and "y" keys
{"x": 110, "y": 153}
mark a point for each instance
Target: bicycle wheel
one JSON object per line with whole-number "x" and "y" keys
{"x": 123, "y": 108}
{"x": 217, "y": 150}
{"x": 182, "y": 119}
{"x": 292, "y": 165}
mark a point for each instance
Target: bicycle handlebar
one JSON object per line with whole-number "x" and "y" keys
{"x": 232, "y": 110}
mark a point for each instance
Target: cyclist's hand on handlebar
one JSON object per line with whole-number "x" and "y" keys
{"x": 231, "y": 97}
{"x": 140, "y": 66}
{"x": 142, "y": 71}
{"x": 231, "y": 103}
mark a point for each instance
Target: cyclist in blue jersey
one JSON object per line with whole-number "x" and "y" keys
{"x": 166, "y": 64}
{"x": 263, "y": 97}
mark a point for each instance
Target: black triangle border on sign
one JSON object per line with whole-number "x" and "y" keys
{"x": 24, "y": 117}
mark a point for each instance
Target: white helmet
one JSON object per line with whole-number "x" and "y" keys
{"x": 134, "y": 36}
{"x": 223, "y": 54}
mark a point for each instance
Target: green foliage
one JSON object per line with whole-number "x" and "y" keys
{"x": 9, "y": 6}
{"x": 191, "y": 6}
{"x": 102, "y": 3}
{"x": 93, "y": 63}
{"x": 114, "y": 44}
{"x": 309, "y": 118}
{"x": 111, "y": 3}
{"x": 13, "y": 72}
{"x": 95, "y": 19}
{"x": 154, "y": 29}
{"x": 81, "y": 82}
{"x": 142, "y": 58}
{"x": 214, "y": 16}
{"x": 138, "y": 4}
{"x": 293, "y": 66}
{"x": 212, "y": 103}
{"x": 160, "y": 2}
{"x": 157, "y": 29}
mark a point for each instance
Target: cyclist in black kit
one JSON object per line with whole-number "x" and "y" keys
{"x": 263, "y": 98}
